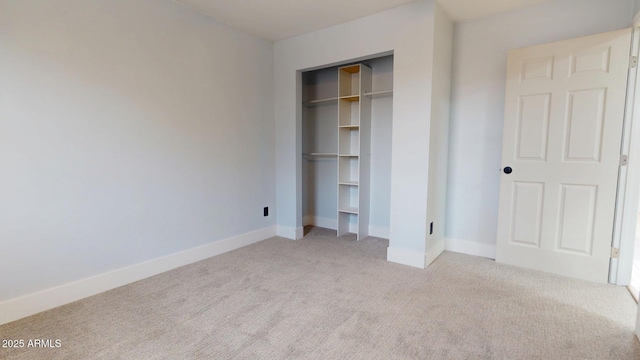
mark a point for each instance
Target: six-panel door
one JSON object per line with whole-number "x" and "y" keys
{"x": 564, "y": 111}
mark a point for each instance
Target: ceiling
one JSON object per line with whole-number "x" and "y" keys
{"x": 462, "y": 10}
{"x": 281, "y": 19}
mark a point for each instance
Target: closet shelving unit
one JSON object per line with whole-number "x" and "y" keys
{"x": 319, "y": 102}
{"x": 340, "y": 101}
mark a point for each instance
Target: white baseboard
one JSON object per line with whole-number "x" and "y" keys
{"x": 406, "y": 257}
{"x": 27, "y": 305}
{"x": 470, "y": 248}
{"x": 320, "y": 222}
{"x": 290, "y": 233}
{"x": 380, "y": 232}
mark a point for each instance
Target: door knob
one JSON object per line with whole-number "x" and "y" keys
{"x": 508, "y": 170}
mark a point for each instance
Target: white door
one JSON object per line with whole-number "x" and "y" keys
{"x": 564, "y": 111}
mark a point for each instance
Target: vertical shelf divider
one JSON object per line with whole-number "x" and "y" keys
{"x": 365, "y": 152}
{"x": 354, "y": 149}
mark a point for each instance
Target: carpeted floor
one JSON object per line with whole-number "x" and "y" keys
{"x": 335, "y": 298}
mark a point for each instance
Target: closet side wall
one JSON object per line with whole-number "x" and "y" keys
{"x": 381, "y": 133}
{"x": 319, "y": 135}
{"x": 439, "y": 135}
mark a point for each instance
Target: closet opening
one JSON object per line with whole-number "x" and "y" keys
{"x": 346, "y": 148}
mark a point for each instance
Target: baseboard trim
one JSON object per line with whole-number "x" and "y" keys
{"x": 320, "y": 222}
{"x": 290, "y": 233}
{"x": 406, "y": 257}
{"x": 375, "y": 231}
{"x": 470, "y": 248}
{"x": 326, "y": 223}
{"x": 31, "y": 304}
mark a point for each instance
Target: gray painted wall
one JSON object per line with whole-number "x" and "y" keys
{"x": 130, "y": 130}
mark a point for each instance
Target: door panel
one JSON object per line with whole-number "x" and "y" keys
{"x": 592, "y": 60}
{"x": 533, "y": 127}
{"x": 564, "y": 110}
{"x": 584, "y": 125}
{"x": 527, "y": 213}
{"x": 577, "y": 218}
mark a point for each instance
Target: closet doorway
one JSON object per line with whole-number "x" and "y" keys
{"x": 346, "y": 148}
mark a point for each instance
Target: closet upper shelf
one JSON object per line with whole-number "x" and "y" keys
{"x": 331, "y": 100}
{"x": 379, "y": 93}
{"x": 350, "y": 97}
{"x": 319, "y": 102}
{"x": 321, "y": 154}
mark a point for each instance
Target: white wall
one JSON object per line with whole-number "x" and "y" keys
{"x": 439, "y": 137}
{"x": 480, "y": 55}
{"x": 130, "y": 130}
{"x": 636, "y": 8}
{"x": 408, "y": 32}
{"x": 381, "y": 148}
{"x": 319, "y": 124}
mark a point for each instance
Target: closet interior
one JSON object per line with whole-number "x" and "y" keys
{"x": 346, "y": 147}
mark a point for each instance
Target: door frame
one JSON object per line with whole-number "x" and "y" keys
{"x": 628, "y": 195}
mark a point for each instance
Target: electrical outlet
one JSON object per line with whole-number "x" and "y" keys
{"x": 266, "y": 211}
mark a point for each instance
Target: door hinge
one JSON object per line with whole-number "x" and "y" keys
{"x": 615, "y": 253}
{"x": 634, "y": 62}
{"x": 624, "y": 160}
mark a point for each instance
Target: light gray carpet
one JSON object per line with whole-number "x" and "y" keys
{"x": 335, "y": 298}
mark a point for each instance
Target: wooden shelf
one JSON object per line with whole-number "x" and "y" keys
{"x": 350, "y": 210}
{"x": 351, "y": 69}
{"x": 350, "y": 97}
{"x": 319, "y": 102}
{"x": 379, "y": 93}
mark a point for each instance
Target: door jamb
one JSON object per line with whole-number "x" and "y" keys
{"x": 628, "y": 195}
